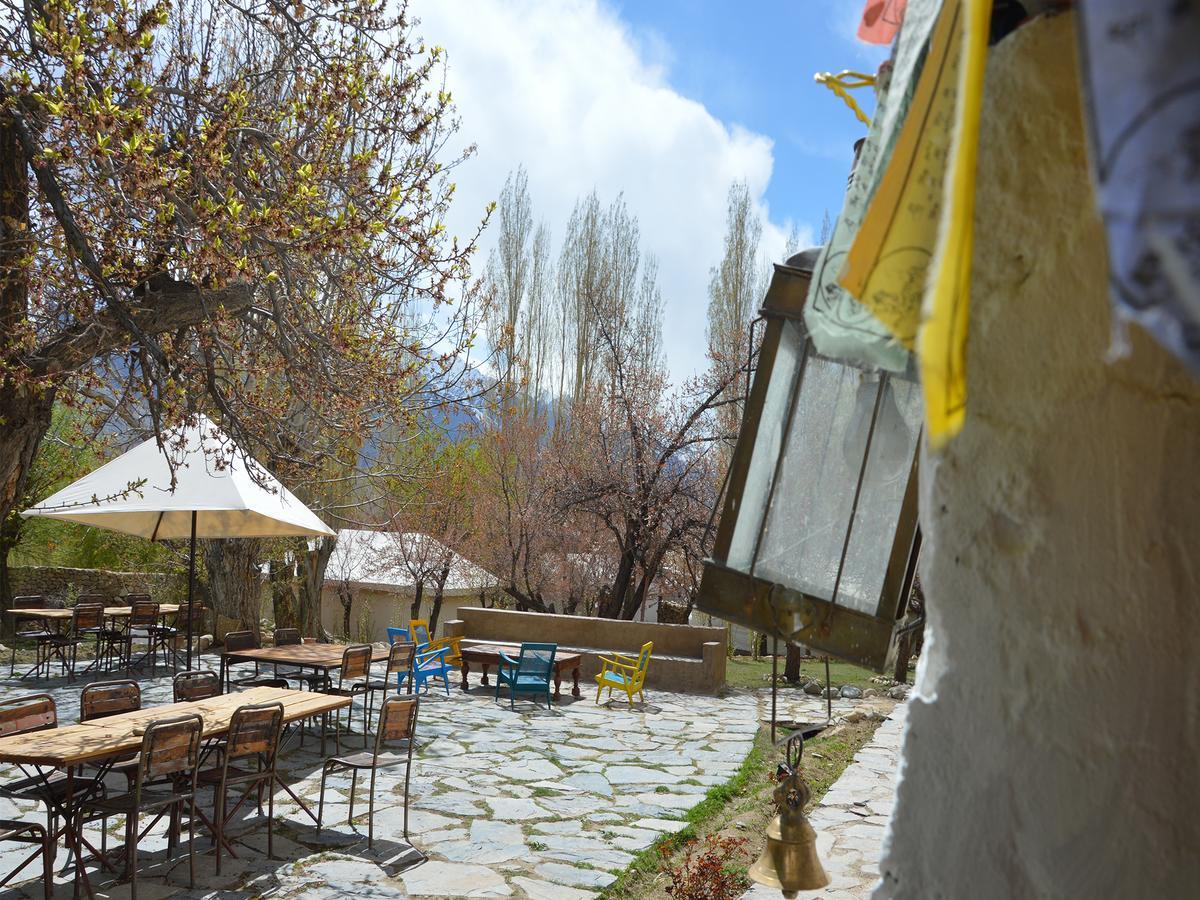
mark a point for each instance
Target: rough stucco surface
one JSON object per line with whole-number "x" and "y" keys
{"x": 1052, "y": 747}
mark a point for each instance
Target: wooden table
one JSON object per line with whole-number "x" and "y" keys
{"x": 487, "y": 655}
{"x": 71, "y": 746}
{"x": 61, "y": 616}
{"x": 65, "y": 615}
{"x": 322, "y": 657}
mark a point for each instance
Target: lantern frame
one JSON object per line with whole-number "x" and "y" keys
{"x": 778, "y": 610}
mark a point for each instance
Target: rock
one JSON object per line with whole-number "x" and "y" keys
{"x": 203, "y": 643}
{"x": 830, "y": 693}
{"x": 850, "y": 692}
{"x": 899, "y": 692}
{"x": 870, "y": 692}
{"x": 813, "y": 688}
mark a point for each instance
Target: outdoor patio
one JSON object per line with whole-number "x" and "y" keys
{"x": 531, "y": 802}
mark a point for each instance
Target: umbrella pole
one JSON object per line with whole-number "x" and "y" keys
{"x": 191, "y": 584}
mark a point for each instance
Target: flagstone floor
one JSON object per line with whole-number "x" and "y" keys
{"x": 526, "y": 802}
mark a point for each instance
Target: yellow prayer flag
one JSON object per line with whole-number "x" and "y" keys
{"x": 942, "y": 345}
{"x": 910, "y": 263}
{"x": 887, "y": 266}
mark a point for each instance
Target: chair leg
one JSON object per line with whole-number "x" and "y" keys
{"x": 48, "y": 846}
{"x": 218, "y": 824}
{"x": 271, "y": 816}
{"x": 371, "y": 813}
{"x": 192, "y": 841}
{"x": 131, "y": 824}
{"x": 321, "y": 800}
{"x": 353, "y": 787}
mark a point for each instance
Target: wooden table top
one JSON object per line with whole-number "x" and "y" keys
{"x": 490, "y": 653}
{"x": 313, "y": 656}
{"x": 115, "y": 612}
{"x": 113, "y": 735}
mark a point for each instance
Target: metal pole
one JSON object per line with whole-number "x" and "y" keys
{"x": 774, "y": 682}
{"x": 191, "y": 585}
{"x": 828, "y": 696}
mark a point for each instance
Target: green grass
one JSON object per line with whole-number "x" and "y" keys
{"x": 647, "y": 861}
{"x": 745, "y": 798}
{"x": 744, "y": 672}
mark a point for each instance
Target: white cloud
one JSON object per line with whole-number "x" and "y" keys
{"x": 564, "y": 88}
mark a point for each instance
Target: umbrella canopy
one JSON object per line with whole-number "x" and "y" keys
{"x": 231, "y": 495}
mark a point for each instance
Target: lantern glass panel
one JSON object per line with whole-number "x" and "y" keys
{"x": 885, "y": 480}
{"x": 805, "y": 528}
{"x": 767, "y": 445}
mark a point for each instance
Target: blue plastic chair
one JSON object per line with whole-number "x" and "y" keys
{"x": 427, "y": 664}
{"x": 530, "y": 673}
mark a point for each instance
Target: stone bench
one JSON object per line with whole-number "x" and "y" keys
{"x": 686, "y": 657}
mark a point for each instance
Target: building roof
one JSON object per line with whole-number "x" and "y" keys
{"x": 377, "y": 559}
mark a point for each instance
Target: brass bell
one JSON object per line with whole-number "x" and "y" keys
{"x": 789, "y": 861}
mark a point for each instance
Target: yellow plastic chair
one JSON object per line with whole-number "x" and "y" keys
{"x": 625, "y": 673}
{"x": 419, "y": 629}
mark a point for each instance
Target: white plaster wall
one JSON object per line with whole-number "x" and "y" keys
{"x": 1053, "y": 745}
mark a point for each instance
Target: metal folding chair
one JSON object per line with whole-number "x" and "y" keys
{"x": 165, "y": 783}
{"x": 253, "y": 744}
{"x": 397, "y": 723}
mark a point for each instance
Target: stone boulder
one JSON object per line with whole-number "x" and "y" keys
{"x": 850, "y": 692}
{"x": 814, "y": 688}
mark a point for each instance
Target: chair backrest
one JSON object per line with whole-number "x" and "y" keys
{"x": 537, "y": 659}
{"x": 643, "y": 662}
{"x": 400, "y": 657}
{"x": 109, "y": 698}
{"x": 356, "y": 662}
{"x": 287, "y": 637}
{"x": 143, "y": 612}
{"x": 33, "y": 712}
{"x": 241, "y": 640}
{"x": 397, "y": 722}
{"x": 92, "y": 597}
{"x": 130, "y": 599}
{"x": 169, "y": 747}
{"x": 395, "y": 634}
{"x": 87, "y": 616}
{"x": 255, "y": 729}
{"x": 198, "y": 684}
{"x": 29, "y": 601}
{"x": 181, "y": 616}
{"x": 420, "y": 630}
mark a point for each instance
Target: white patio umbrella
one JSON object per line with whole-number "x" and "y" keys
{"x": 217, "y": 491}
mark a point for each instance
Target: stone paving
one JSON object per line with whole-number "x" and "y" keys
{"x": 548, "y": 804}
{"x": 852, "y": 817}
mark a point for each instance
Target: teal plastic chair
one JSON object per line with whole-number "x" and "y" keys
{"x": 427, "y": 663}
{"x": 530, "y": 673}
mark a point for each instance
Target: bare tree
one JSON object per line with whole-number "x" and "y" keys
{"x": 219, "y": 206}
{"x": 735, "y": 291}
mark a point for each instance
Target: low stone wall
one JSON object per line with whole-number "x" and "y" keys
{"x": 686, "y": 657}
{"x": 52, "y": 581}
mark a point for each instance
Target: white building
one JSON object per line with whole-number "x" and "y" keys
{"x": 381, "y": 569}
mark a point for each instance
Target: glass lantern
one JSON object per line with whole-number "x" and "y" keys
{"x": 818, "y": 537}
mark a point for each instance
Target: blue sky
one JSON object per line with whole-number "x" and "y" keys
{"x": 665, "y": 103}
{"x": 754, "y": 68}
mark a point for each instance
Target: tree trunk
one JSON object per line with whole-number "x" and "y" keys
{"x": 791, "y": 668}
{"x": 283, "y": 594}
{"x": 634, "y": 601}
{"x": 346, "y": 596}
{"x": 414, "y": 610}
{"x": 611, "y": 605}
{"x": 25, "y": 408}
{"x": 235, "y": 579}
{"x": 314, "y": 565}
{"x": 439, "y": 591}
